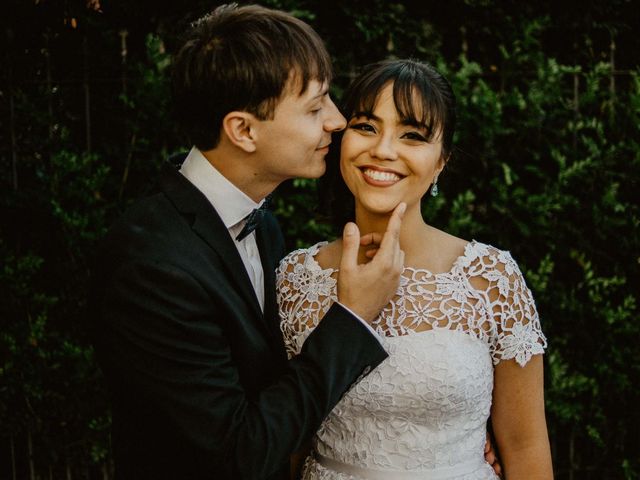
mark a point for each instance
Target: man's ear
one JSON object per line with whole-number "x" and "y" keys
{"x": 239, "y": 128}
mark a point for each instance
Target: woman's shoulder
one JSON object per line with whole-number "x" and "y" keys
{"x": 301, "y": 255}
{"x": 492, "y": 270}
{"x": 485, "y": 258}
{"x": 329, "y": 254}
{"x": 322, "y": 256}
{"x": 305, "y": 291}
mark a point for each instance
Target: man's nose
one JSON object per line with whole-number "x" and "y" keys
{"x": 334, "y": 121}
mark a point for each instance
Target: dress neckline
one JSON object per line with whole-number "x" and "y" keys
{"x": 314, "y": 249}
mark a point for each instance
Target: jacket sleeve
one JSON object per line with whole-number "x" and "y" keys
{"x": 163, "y": 338}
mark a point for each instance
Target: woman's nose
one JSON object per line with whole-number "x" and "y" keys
{"x": 384, "y": 149}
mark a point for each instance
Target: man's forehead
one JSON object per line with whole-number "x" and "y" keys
{"x": 313, "y": 87}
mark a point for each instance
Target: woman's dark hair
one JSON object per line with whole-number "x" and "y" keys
{"x": 421, "y": 95}
{"x": 241, "y": 58}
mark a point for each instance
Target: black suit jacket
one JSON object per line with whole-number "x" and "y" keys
{"x": 201, "y": 387}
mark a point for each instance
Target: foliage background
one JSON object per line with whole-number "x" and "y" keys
{"x": 547, "y": 165}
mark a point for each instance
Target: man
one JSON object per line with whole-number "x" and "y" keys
{"x": 187, "y": 331}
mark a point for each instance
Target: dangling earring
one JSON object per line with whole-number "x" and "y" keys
{"x": 434, "y": 187}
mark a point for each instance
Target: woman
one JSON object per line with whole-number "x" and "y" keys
{"x": 462, "y": 332}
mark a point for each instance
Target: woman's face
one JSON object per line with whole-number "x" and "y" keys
{"x": 385, "y": 161}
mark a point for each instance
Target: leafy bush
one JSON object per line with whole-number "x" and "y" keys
{"x": 547, "y": 165}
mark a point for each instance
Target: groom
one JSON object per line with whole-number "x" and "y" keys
{"x": 186, "y": 324}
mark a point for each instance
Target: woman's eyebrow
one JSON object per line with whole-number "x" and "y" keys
{"x": 369, "y": 115}
{"x": 412, "y": 122}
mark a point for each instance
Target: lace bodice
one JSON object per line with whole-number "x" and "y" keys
{"x": 424, "y": 409}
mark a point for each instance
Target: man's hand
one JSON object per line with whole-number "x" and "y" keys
{"x": 371, "y": 240}
{"x": 366, "y": 288}
{"x": 491, "y": 458}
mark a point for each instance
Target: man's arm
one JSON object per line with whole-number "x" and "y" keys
{"x": 160, "y": 343}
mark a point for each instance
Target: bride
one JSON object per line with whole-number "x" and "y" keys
{"x": 462, "y": 332}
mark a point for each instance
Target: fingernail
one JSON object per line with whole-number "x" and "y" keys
{"x": 350, "y": 229}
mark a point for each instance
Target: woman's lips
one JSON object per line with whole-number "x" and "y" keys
{"x": 380, "y": 178}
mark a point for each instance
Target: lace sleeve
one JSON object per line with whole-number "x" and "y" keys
{"x": 305, "y": 292}
{"x": 518, "y": 333}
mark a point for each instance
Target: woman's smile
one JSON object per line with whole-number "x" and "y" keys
{"x": 379, "y": 177}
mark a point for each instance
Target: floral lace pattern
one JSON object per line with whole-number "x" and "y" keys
{"x": 424, "y": 409}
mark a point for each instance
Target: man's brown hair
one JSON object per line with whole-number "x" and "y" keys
{"x": 242, "y": 58}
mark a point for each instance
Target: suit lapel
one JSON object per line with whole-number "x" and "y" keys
{"x": 268, "y": 261}
{"x": 208, "y": 225}
{"x": 270, "y": 256}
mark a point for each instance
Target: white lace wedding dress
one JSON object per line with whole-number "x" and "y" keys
{"x": 422, "y": 413}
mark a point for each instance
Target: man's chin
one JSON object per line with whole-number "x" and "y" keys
{"x": 316, "y": 171}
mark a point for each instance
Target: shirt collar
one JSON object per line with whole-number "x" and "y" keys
{"x": 231, "y": 203}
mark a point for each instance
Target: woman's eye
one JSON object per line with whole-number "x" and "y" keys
{"x": 363, "y": 127}
{"x": 414, "y": 136}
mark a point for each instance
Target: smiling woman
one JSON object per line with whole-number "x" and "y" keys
{"x": 386, "y": 159}
{"x": 418, "y": 105}
{"x": 462, "y": 331}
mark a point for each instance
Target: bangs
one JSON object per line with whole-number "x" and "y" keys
{"x": 275, "y": 70}
{"x": 306, "y": 57}
{"x": 417, "y": 102}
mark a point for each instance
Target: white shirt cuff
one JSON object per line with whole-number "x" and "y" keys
{"x": 373, "y": 332}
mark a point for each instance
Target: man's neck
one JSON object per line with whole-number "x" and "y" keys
{"x": 239, "y": 169}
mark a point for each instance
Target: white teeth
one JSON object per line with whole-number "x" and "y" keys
{"x": 381, "y": 176}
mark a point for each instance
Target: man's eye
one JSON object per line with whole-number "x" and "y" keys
{"x": 414, "y": 136}
{"x": 363, "y": 127}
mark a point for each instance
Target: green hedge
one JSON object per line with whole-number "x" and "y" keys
{"x": 546, "y": 165}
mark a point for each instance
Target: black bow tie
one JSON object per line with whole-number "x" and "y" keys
{"x": 252, "y": 220}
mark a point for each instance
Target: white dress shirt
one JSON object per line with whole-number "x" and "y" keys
{"x": 233, "y": 205}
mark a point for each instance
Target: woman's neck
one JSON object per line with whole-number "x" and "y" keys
{"x": 413, "y": 232}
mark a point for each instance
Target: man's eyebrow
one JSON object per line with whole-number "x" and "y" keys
{"x": 320, "y": 94}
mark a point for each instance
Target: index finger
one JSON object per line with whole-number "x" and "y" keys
{"x": 392, "y": 234}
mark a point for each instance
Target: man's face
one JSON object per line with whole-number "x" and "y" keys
{"x": 294, "y": 143}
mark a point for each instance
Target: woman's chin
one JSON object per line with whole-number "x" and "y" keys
{"x": 378, "y": 208}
